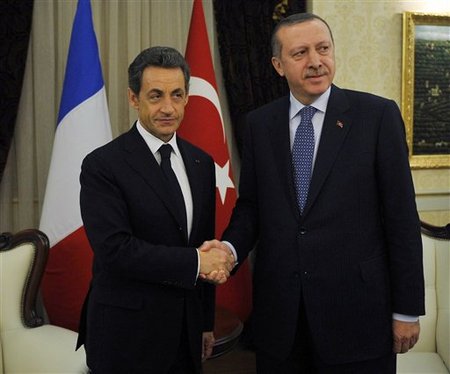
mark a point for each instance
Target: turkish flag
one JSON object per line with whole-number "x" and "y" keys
{"x": 203, "y": 126}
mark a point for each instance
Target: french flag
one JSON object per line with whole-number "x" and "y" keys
{"x": 83, "y": 125}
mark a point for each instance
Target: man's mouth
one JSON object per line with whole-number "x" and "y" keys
{"x": 316, "y": 74}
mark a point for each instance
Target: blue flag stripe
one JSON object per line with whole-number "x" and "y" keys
{"x": 83, "y": 76}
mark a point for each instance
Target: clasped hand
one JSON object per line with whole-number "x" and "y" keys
{"x": 216, "y": 261}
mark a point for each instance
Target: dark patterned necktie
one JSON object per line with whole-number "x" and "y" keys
{"x": 165, "y": 151}
{"x": 302, "y": 155}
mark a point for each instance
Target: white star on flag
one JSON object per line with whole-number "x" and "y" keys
{"x": 223, "y": 180}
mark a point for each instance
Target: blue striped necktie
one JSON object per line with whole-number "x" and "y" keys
{"x": 302, "y": 155}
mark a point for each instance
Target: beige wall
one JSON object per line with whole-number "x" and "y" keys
{"x": 368, "y": 36}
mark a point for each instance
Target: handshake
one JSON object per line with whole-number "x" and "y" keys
{"x": 216, "y": 261}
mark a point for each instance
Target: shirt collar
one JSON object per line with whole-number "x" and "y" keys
{"x": 155, "y": 143}
{"x": 320, "y": 104}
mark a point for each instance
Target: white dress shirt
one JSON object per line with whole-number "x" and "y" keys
{"x": 177, "y": 163}
{"x": 176, "y": 160}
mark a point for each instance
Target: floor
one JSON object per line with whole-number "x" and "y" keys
{"x": 238, "y": 361}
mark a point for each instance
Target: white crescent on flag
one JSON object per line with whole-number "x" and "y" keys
{"x": 201, "y": 127}
{"x": 201, "y": 87}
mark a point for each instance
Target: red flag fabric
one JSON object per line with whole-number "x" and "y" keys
{"x": 203, "y": 126}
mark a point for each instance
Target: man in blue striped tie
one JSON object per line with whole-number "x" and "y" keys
{"x": 326, "y": 195}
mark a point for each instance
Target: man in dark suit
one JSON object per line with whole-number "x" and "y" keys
{"x": 338, "y": 274}
{"x": 146, "y": 311}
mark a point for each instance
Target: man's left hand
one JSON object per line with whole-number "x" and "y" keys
{"x": 406, "y": 335}
{"x": 208, "y": 344}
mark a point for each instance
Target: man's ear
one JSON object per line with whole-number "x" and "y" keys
{"x": 133, "y": 99}
{"x": 277, "y": 65}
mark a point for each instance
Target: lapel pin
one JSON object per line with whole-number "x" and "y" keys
{"x": 339, "y": 124}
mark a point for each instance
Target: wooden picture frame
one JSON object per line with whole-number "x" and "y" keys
{"x": 426, "y": 88}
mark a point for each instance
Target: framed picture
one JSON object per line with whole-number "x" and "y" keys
{"x": 426, "y": 88}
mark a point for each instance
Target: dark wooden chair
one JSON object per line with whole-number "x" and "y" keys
{"x": 227, "y": 331}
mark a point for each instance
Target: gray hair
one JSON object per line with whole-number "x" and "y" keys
{"x": 165, "y": 57}
{"x": 293, "y": 19}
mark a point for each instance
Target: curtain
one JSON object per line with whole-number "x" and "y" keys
{"x": 123, "y": 29}
{"x": 15, "y": 21}
{"x": 244, "y": 30}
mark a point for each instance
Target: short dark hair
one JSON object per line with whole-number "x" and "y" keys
{"x": 165, "y": 57}
{"x": 293, "y": 20}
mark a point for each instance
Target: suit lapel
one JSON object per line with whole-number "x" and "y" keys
{"x": 195, "y": 178}
{"x": 140, "y": 158}
{"x": 335, "y": 128}
{"x": 281, "y": 148}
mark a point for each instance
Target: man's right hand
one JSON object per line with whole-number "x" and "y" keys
{"x": 216, "y": 262}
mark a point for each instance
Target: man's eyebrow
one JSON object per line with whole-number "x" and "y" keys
{"x": 155, "y": 90}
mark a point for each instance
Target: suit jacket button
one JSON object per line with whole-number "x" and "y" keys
{"x": 302, "y": 231}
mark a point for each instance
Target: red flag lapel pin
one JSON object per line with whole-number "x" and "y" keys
{"x": 339, "y": 124}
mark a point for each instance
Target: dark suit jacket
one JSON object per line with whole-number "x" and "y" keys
{"x": 144, "y": 285}
{"x": 355, "y": 255}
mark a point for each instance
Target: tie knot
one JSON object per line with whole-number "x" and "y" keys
{"x": 307, "y": 112}
{"x": 165, "y": 150}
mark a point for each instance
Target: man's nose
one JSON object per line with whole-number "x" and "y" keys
{"x": 167, "y": 106}
{"x": 315, "y": 60}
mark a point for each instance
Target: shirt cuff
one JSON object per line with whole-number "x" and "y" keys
{"x": 198, "y": 265}
{"x": 233, "y": 250}
{"x": 404, "y": 317}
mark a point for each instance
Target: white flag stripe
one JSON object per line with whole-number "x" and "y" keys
{"x": 83, "y": 129}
